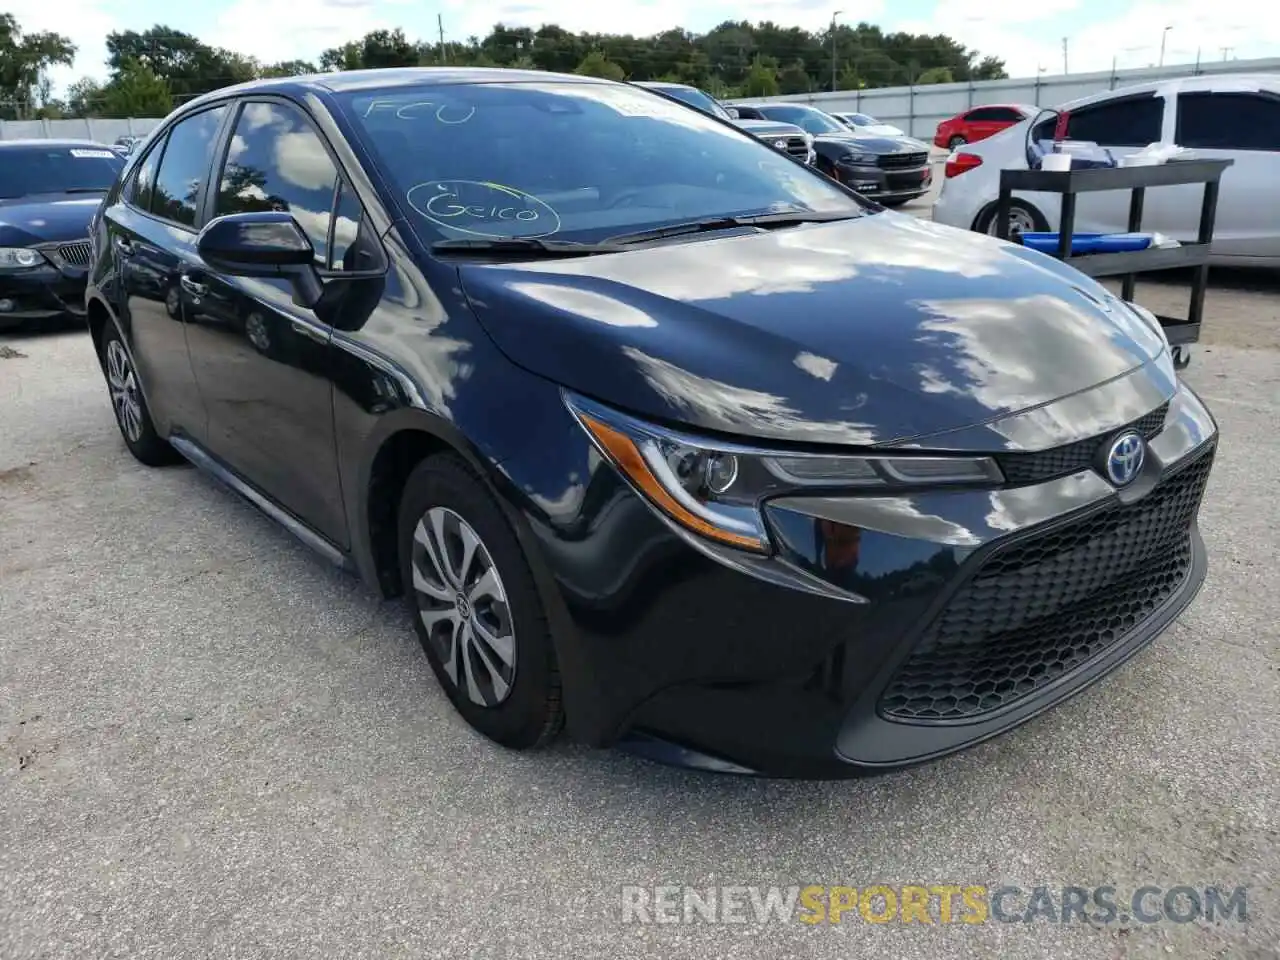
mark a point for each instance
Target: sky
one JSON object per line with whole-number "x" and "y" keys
{"x": 1026, "y": 34}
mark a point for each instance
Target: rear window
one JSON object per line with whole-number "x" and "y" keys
{"x": 806, "y": 118}
{"x": 696, "y": 98}
{"x": 25, "y": 171}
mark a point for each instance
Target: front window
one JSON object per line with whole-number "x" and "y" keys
{"x": 25, "y": 171}
{"x": 807, "y": 118}
{"x": 574, "y": 161}
{"x": 696, "y": 98}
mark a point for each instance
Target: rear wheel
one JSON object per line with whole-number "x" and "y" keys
{"x": 1023, "y": 218}
{"x": 130, "y": 407}
{"x": 475, "y": 606}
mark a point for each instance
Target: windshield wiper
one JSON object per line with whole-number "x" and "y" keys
{"x": 523, "y": 247}
{"x": 86, "y": 190}
{"x": 782, "y": 219}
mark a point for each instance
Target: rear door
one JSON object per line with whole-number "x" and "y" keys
{"x": 1238, "y": 125}
{"x": 1124, "y": 125}
{"x": 151, "y": 232}
{"x": 263, "y": 361}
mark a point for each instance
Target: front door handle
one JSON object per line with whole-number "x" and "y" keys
{"x": 308, "y": 331}
{"x": 193, "y": 288}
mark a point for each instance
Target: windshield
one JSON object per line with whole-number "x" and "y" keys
{"x": 807, "y": 118}
{"x": 38, "y": 169}
{"x": 575, "y": 161}
{"x": 863, "y": 119}
{"x": 696, "y": 98}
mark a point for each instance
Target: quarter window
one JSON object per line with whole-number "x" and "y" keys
{"x": 176, "y": 195}
{"x": 276, "y": 161}
{"x": 1229, "y": 121}
{"x": 142, "y": 187}
{"x": 353, "y": 248}
{"x": 1131, "y": 122}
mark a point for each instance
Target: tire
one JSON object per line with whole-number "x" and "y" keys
{"x": 509, "y": 690}
{"x": 1021, "y": 216}
{"x": 894, "y": 202}
{"x": 130, "y": 407}
{"x": 956, "y": 142}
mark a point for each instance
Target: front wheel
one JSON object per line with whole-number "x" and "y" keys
{"x": 894, "y": 202}
{"x": 475, "y": 606}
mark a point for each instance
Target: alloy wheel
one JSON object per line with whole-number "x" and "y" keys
{"x": 463, "y": 605}
{"x": 123, "y": 385}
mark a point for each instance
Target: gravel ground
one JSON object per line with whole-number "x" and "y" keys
{"x": 211, "y": 745}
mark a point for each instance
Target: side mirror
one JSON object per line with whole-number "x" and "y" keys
{"x": 266, "y": 244}
{"x": 733, "y": 112}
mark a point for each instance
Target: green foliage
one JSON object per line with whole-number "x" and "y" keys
{"x": 761, "y": 79}
{"x": 24, "y": 57}
{"x": 935, "y": 75}
{"x": 136, "y": 91}
{"x": 736, "y": 58}
{"x": 596, "y": 64}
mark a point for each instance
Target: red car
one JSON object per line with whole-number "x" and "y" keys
{"x": 979, "y": 123}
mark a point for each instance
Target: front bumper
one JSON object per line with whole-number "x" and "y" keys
{"x": 886, "y": 630}
{"x": 880, "y": 184}
{"x": 42, "y": 292}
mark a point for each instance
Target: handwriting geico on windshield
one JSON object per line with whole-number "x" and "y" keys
{"x": 483, "y": 209}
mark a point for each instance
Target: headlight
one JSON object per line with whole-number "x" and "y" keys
{"x": 715, "y": 488}
{"x": 1150, "y": 319}
{"x": 859, "y": 159}
{"x": 19, "y": 258}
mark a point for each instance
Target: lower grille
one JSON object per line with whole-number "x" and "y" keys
{"x": 1022, "y": 468}
{"x": 901, "y": 161}
{"x": 1042, "y": 608}
{"x": 797, "y": 147}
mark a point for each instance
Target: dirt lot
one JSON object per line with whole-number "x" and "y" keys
{"x": 212, "y": 745}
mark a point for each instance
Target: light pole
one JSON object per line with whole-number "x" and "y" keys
{"x": 834, "y": 82}
{"x": 1163, "y": 36}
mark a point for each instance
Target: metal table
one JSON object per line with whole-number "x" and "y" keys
{"x": 1069, "y": 183}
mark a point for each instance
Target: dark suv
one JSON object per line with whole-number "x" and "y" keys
{"x": 659, "y": 433}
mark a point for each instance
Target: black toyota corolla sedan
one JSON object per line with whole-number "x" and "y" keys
{"x": 659, "y": 432}
{"x": 49, "y": 191}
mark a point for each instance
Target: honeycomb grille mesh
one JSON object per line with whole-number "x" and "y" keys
{"x": 1024, "y": 468}
{"x": 1044, "y": 607}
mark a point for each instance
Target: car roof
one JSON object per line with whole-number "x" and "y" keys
{"x": 664, "y": 85}
{"x": 349, "y": 81}
{"x": 1209, "y": 82}
{"x": 52, "y": 142}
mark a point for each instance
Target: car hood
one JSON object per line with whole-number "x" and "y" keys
{"x": 874, "y": 330}
{"x": 874, "y": 144}
{"x": 28, "y": 220}
{"x": 766, "y": 128}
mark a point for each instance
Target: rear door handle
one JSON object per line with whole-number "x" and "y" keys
{"x": 124, "y": 247}
{"x": 193, "y": 288}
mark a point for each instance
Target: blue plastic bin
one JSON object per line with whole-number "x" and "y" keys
{"x": 1088, "y": 242}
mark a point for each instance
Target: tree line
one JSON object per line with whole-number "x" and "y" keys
{"x": 151, "y": 71}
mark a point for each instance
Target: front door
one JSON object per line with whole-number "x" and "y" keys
{"x": 262, "y": 361}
